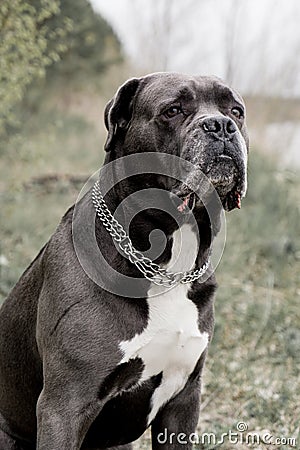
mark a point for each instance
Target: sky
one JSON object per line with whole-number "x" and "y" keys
{"x": 253, "y": 44}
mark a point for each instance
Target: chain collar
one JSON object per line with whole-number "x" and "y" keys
{"x": 152, "y": 271}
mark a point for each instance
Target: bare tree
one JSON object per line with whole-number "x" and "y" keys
{"x": 231, "y": 30}
{"x": 163, "y": 31}
{"x": 253, "y": 45}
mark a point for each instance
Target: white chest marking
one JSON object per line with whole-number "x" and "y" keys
{"x": 171, "y": 343}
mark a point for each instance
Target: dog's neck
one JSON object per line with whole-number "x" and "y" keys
{"x": 153, "y": 229}
{"x": 157, "y": 235}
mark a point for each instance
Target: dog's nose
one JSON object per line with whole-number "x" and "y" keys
{"x": 219, "y": 127}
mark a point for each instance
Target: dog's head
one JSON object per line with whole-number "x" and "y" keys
{"x": 199, "y": 119}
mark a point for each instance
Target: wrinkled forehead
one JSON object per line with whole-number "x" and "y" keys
{"x": 170, "y": 87}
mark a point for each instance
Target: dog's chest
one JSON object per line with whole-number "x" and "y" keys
{"x": 172, "y": 342}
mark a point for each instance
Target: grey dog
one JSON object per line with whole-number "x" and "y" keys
{"x": 82, "y": 367}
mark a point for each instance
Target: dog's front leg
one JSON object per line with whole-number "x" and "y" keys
{"x": 63, "y": 420}
{"x": 175, "y": 425}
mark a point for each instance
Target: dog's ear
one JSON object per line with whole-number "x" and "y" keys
{"x": 118, "y": 111}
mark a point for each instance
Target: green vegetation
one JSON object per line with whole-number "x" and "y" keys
{"x": 59, "y": 137}
{"x": 91, "y": 44}
{"x": 25, "y": 49}
{"x": 53, "y": 56}
{"x": 48, "y": 37}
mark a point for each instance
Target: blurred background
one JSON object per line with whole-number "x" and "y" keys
{"x": 62, "y": 60}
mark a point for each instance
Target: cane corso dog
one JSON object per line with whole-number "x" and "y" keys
{"x": 86, "y": 367}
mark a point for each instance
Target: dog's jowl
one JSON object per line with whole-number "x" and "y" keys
{"x": 94, "y": 351}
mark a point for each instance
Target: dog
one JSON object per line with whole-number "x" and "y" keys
{"x": 85, "y": 367}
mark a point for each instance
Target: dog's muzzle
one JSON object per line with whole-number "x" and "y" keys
{"x": 216, "y": 149}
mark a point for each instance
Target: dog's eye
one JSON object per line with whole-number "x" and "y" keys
{"x": 237, "y": 112}
{"x": 172, "y": 112}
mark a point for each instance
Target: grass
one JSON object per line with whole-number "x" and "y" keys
{"x": 252, "y": 372}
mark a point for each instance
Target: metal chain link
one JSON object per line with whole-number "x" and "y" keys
{"x": 152, "y": 271}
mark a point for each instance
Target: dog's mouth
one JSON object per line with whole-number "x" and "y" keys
{"x": 225, "y": 177}
{"x": 231, "y": 201}
{"x": 187, "y": 203}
